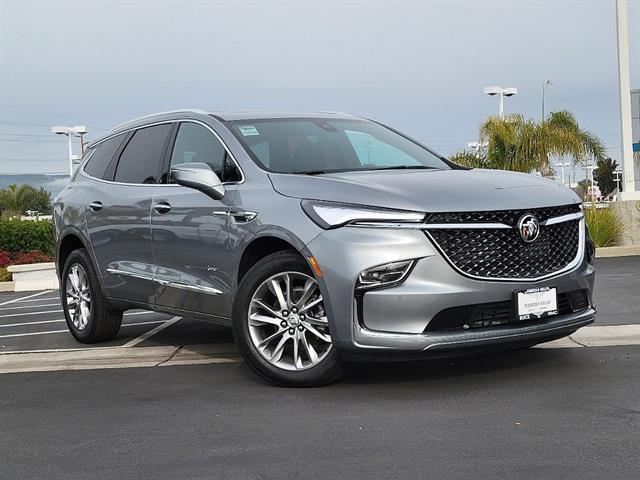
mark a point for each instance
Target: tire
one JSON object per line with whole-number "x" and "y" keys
{"x": 314, "y": 361}
{"x": 102, "y": 322}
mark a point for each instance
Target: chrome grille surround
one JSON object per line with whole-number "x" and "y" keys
{"x": 487, "y": 245}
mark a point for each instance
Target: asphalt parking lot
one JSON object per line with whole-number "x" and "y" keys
{"x": 540, "y": 413}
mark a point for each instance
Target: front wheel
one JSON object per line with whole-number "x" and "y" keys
{"x": 280, "y": 324}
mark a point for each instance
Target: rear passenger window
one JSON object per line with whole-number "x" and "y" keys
{"x": 102, "y": 155}
{"x": 141, "y": 159}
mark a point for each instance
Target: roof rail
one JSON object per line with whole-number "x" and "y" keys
{"x": 180, "y": 110}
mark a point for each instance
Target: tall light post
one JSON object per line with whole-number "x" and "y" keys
{"x": 544, "y": 91}
{"x": 628, "y": 173}
{"x": 562, "y": 165}
{"x": 69, "y": 132}
{"x": 501, "y": 92}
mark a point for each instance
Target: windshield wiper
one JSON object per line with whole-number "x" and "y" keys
{"x": 310, "y": 172}
{"x": 406, "y": 167}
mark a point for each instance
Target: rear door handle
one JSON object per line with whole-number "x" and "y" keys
{"x": 95, "y": 206}
{"x": 162, "y": 208}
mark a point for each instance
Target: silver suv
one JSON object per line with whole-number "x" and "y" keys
{"x": 319, "y": 239}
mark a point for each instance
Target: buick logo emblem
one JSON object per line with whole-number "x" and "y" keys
{"x": 528, "y": 227}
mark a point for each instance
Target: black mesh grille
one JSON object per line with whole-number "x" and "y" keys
{"x": 501, "y": 253}
{"x": 498, "y": 313}
{"x": 509, "y": 217}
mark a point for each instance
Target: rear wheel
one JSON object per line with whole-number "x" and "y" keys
{"x": 89, "y": 316}
{"x": 281, "y": 326}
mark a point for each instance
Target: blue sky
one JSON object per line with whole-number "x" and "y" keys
{"x": 419, "y": 66}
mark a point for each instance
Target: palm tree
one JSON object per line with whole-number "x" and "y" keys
{"x": 514, "y": 143}
{"x": 15, "y": 200}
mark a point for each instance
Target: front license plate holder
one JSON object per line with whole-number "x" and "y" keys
{"x": 536, "y": 303}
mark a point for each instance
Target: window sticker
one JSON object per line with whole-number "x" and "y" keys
{"x": 248, "y": 130}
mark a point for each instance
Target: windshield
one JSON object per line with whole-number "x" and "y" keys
{"x": 316, "y": 146}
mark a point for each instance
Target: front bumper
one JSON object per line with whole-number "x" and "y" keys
{"x": 395, "y": 319}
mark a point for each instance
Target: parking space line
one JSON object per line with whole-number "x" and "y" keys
{"x": 151, "y": 332}
{"x": 29, "y": 313}
{"x": 39, "y": 300}
{"x": 23, "y": 324}
{"x": 32, "y": 306}
{"x": 30, "y": 334}
{"x": 24, "y": 298}
{"x": 146, "y": 312}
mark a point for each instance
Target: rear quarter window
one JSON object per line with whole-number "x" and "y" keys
{"x": 101, "y": 155}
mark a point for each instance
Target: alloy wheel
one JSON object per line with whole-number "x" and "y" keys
{"x": 288, "y": 322}
{"x": 78, "y": 296}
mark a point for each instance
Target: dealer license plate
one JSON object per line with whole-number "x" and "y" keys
{"x": 537, "y": 303}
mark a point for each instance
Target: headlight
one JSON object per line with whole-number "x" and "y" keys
{"x": 333, "y": 215}
{"x": 384, "y": 275}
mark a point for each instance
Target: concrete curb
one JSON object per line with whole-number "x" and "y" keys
{"x": 165, "y": 356}
{"x": 31, "y": 277}
{"x": 621, "y": 251}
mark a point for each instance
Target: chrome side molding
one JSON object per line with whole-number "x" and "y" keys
{"x": 181, "y": 285}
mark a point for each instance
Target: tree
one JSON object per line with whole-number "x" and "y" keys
{"x": 583, "y": 189}
{"x": 514, "y": 143}
{"x": 15, "y": 200}
{"x": 604, "y": 176}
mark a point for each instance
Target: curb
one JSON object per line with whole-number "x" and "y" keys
{"x": 31, "y": 277}
{"x": 620, "y": 251}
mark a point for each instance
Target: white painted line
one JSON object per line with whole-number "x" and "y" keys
{"x": 24, "y": 298}
{"x": 29, "y": 313}
{"x": 11, "y": 335}
{"x": 151, "y": 332}
{"x": 30, "y": 334}
{"x": 39, "y": 300}
{"x": 32, "y": 306}
{"x": 24, "y": 324}
{"x": 145, "y": 312}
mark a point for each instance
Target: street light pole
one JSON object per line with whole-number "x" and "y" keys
{"x": 69, "y": 132}
{"x": 501, "y": 92}
{"x": 562, "y": 165}
{"x": 544, "y": 90}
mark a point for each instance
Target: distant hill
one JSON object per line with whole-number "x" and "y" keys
{"x": 53, "y": 183}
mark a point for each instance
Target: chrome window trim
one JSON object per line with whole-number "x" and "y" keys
{"x": 162, "y": 122}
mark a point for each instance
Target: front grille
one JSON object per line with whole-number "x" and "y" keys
{"x": 508, "y": 217}
{"x": 498, "y": 313}
{"x": 500, "y": 253}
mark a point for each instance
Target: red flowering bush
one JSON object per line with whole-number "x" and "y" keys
{"x": 25, "y": 258}
{"x": 5, "y": 259}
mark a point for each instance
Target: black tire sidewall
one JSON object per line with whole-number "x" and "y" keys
{"x": 325, "y": 372}
{"x": 98, "y": 308}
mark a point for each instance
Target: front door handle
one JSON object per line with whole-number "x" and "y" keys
{"x": 95, "y": 206}
{"x": 162, "y": 208}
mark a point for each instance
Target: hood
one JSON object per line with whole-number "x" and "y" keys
{"x": 428, "y": 190}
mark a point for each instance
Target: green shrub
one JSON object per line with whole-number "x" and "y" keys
{"x": 5, "y": 276}
{"x": 605, "y": 226}
{"x": 26, "y": 236}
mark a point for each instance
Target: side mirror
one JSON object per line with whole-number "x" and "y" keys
{"x": 199, "y": 176}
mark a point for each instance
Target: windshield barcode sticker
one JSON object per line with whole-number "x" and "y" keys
{"x": 248, "y": 130}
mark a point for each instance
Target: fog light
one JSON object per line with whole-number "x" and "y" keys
{"x": 384, "y": 275}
